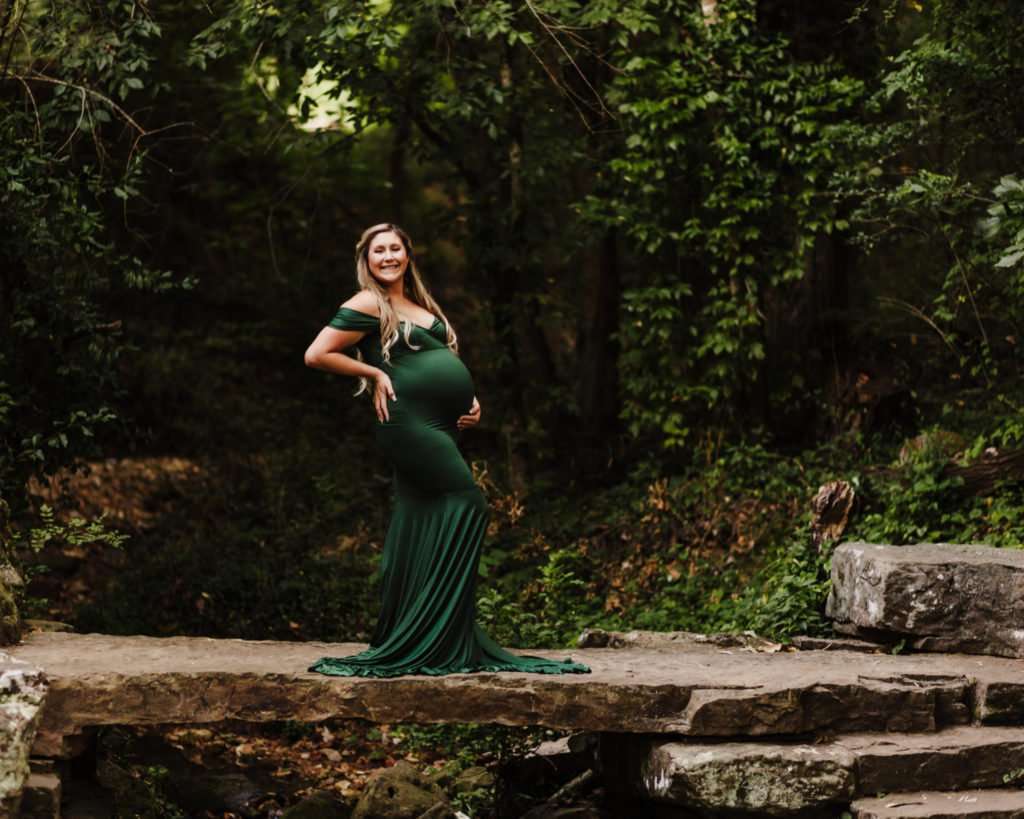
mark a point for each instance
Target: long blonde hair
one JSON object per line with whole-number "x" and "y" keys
{"x": 414, "y": 290}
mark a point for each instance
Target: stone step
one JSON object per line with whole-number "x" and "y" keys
{"x": 940, "y": 596}
{"x": 781, "y": 777}
{"x": 1001, "y": 803}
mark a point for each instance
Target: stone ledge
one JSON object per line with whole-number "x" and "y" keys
{"x": 779, "y": 778}
{"x": 101, "y": 680}
{"x": 1000, "y": 803}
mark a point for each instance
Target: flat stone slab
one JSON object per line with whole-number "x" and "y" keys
{"x": 1002, "y": 803}
{"x": 780, "y": 778}
{"x": 98, "y": 679}
{"x": 942, "y": 597}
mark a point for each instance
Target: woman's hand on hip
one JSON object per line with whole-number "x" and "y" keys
{"x": 381, "y": 393}
{"x": 472, "y": 418}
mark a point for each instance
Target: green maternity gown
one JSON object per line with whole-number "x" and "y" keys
{"x": 427, "y": 623}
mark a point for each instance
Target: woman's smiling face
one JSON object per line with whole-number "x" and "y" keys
{"x": 387, "y": 257}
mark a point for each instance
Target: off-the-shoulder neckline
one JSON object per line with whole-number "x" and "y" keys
{"x": 413, "y": 323}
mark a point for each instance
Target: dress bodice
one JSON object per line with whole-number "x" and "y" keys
{"x": 370, "y": 345}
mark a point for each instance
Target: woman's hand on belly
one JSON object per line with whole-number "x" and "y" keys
{"x": 472, "y": 418}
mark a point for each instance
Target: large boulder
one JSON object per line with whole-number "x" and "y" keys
{"x": 939, "y": 596}
{"x": 23, "y": 689}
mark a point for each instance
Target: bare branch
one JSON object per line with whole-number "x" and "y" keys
{"x": 918, "y": 313}
{"x": 572, "y": 62}
{"x": 138, "y": 138}
{"x": 37, "y": 77}
{"x": 35, "y": 110}
{"x": 78, "y": 125}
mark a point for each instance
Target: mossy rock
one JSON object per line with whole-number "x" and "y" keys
{"x": 473, "y": 779}
{"x": 936, "y": 442}
{"x": 10, "y": 620}
{"x": 401, "y": 792}
{"x": 319, "y": 805}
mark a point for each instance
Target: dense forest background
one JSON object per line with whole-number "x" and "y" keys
{"x": 703, "y": 258}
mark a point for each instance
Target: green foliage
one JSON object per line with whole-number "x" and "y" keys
{"x": 723, "y": 548}
{"x": 76, "y": 532}
{"x": 148, "y": 797}
{"x": 727, "y": 143}
{"x": 919, "y": 506}
{"x": 1004, "y": 228}
{"x": 786, "y": 597}
{"x": 922, "y": 501}
{"x": 65, "y": 165}
{"x": 465, "y": 744}
{"x": 554, "y": 614}
{"x": 922, "y": 198}
{"x": 267, "y": 552}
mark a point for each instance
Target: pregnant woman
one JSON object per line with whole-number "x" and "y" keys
{"x": 407, "y": 359}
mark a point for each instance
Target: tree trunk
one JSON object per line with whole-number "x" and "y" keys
{"x": 397, "y": 174}
{"x": 598, "y": 379}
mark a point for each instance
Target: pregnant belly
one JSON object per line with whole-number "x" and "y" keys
{"x": 433, "y": 384}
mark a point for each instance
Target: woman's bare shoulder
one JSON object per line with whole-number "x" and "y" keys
{"x": 365, "y": 302}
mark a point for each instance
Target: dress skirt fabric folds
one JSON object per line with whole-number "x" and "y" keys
{"x": 427, "y": 624}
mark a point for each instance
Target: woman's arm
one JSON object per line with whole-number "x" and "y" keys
{"x": 325, "y": 351}
{"x": 325, "y": 354}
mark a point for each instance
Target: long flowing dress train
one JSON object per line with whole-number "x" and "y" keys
{"x": 427, "y": 623}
